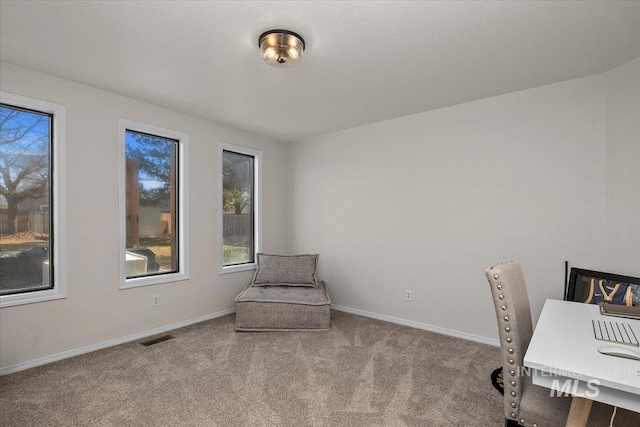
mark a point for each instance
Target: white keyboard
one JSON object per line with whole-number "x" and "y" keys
{"x": 615, "y": 332}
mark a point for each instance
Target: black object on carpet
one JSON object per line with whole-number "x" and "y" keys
{"x": 496, "y": 380}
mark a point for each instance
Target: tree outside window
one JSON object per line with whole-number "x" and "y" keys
{"x": 25, "y": 200}
{"x": 151, "y": 215}
{"x": 238, "y": 210}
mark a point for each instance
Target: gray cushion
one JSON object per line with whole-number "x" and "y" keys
{"x": 283, "y": 308}
{"x": 286, "y": 294}
{"x": 290, "y": 270}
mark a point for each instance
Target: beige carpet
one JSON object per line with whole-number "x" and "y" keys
{"x": 363, "y": 372}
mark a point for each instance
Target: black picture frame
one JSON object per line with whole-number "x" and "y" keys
{"x": 580, "y": 282}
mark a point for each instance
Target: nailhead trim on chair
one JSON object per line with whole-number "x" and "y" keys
{"x": 507, "y": 329}
{"x": 509, "y": 340}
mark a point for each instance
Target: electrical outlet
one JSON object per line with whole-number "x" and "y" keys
{"x": 407, "y": 295}
{"x": 155, "y": 301}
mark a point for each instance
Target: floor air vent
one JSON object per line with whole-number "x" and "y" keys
{"x": 157, "y": 340}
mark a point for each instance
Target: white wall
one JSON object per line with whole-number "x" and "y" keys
{"x": 424, "y": 202}
{"x": 95, "y": 310}
{"x": 427, "y": 202}
{"x": 623, "y": 169}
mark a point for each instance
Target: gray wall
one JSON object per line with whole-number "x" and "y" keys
{"x": 622, "y": 164}
{"x": 95, "y": 310}
{"x": 427, "y": 202}
{"x": 424, "y": 202}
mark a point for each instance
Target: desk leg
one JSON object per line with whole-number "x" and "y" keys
{"x": 579, "y": 412}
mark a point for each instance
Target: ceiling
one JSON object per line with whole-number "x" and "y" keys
{"x": 364, "y": 61}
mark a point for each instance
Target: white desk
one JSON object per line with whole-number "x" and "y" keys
{"x": 563, "y": 349}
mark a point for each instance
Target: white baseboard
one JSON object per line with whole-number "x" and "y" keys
{"x": 149, "y": 332}
{"x": 418, "y": 325}
{"x": 97, "y": 346}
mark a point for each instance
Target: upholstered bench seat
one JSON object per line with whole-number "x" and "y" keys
{"x": 283, "y": 308}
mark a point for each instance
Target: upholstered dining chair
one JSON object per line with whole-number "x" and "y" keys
{"x": 525, "y": 404}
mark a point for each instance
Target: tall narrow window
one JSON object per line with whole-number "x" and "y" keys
{"x": 25, "y": 181}
{"x": 27, "y": 199}
{"x": 152, "y": 208}
{"x": 240, "y": 210}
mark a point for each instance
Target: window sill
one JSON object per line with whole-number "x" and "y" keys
{"x": 238, "y": 268}
{"x": 31, "y": 297}
{"x": 138, "y": 282}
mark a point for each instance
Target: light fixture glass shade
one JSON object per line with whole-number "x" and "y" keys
{"x": 281, "y": 48}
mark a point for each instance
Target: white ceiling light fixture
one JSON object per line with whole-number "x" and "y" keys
{"x": 281, "y": 48}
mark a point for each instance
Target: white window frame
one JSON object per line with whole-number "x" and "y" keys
{"x": 58, "y": 208}
{"x": 181, "y": 204}
{"x": 257, "y": 207}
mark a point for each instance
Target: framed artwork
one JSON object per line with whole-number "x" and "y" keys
{"x": 593, "y": 287}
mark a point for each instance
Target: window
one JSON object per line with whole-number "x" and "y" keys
{"x": 153, "y": 205}
{"x": 240, "y": 207}
{"x": 32, "y": 258}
